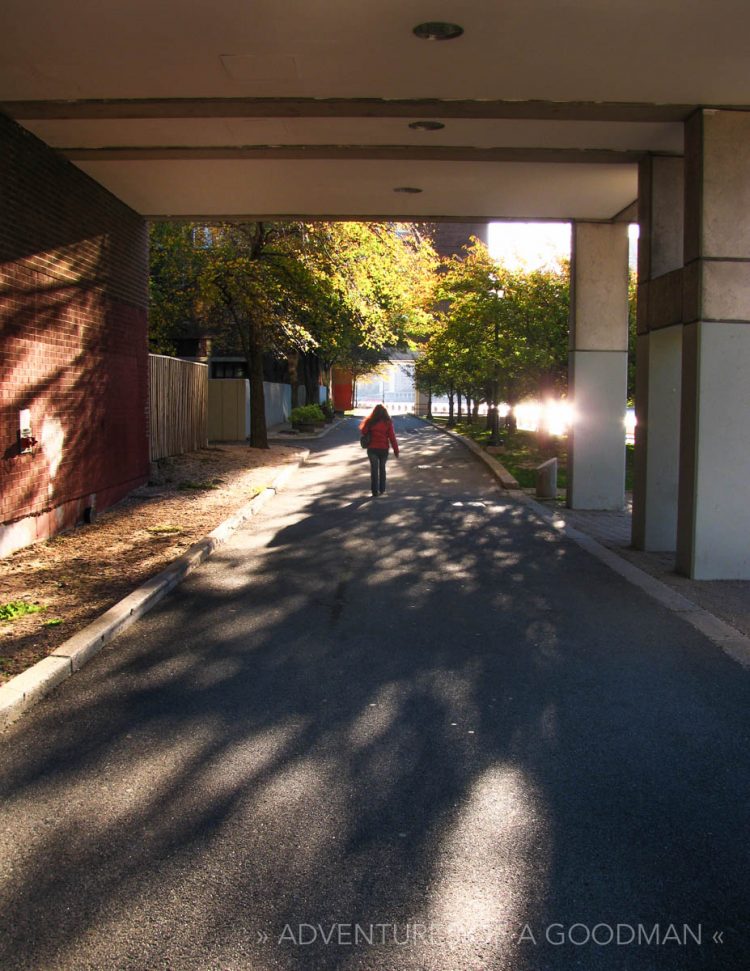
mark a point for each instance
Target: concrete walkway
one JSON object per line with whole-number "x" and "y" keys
{"x": 420, "y": 732}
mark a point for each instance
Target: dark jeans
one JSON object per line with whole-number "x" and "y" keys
{"x": 378, "y": 457}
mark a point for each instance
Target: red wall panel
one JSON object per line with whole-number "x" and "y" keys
{"x": 73, "y": 341}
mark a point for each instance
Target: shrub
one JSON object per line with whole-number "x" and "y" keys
{"x": 307, "y": 414}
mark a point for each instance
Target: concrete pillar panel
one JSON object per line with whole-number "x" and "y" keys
{"x": 667, "y": 215}
{"x": 599, "y": 308}
{"x": 598, "y": 365}
{"x": 713, "y": 533}
{"x": 661, "y": 191}
{"x": 659, "y": 369}
{"x": 596, "y": 475}
{"x": 714, "y": 516}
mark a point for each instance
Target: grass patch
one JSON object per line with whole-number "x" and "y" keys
{"x": 629, "y": 466}
{"x": 165, "y": 530}
{"x": 14, "y": 609}
{"x": 522, "y": 452}
{"x": 53, "y": 622}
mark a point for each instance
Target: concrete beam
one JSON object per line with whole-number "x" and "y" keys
{"x": 415, "y": 153}
{"x": 119, "y": 108}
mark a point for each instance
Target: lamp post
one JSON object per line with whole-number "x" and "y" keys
{"x": 495, "y": 438}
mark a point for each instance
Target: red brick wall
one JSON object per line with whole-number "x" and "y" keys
{"x": 73, "y": 341}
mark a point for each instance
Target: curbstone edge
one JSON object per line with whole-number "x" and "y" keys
{"x": 22, "y": 691}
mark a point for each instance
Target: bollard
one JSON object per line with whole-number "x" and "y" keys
{"x": 546, "y": 479}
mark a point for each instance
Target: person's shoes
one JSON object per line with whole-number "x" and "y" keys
{"x": 382, "y": 492}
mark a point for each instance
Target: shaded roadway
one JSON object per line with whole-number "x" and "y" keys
{"x": 427, "y": 714}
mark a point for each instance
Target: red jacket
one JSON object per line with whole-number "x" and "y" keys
{"x": 381, "y": 433}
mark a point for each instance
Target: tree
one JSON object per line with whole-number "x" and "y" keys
{"x": 176, "y": 267}
{"x": 336, "y": 292}
{"x": 258, "y": 280}
{"x": 503, "y": 333}
{"x": 632, "y": 331}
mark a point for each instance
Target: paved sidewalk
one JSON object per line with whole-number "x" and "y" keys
{"x": 611, "y": 529}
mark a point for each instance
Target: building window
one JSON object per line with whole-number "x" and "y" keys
{"x": 229, "y": 369}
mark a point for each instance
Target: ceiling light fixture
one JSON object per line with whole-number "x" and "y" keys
{"x": 409, "y": 189}
{"x": 426, "y": 125}
{"x": 437, "y": 30}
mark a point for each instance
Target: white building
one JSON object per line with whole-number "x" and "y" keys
{"x": 391, "y": 385}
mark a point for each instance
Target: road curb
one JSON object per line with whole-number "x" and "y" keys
{"x": 25, "y": 689}
{"x": 733, "y": 642}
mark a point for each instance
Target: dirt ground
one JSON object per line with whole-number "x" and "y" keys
{"x": 78, "y": 575}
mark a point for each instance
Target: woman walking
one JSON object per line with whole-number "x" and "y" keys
{"x": 379, "y": 427}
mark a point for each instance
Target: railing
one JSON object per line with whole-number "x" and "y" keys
{"x": 178, "y": 400}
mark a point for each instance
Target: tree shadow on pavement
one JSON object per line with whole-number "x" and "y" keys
{"x": 404, "y": 713}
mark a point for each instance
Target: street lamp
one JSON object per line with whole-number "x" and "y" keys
{"x": 495, "y": 438}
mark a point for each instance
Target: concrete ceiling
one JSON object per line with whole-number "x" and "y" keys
{"x": 302, "y": 107}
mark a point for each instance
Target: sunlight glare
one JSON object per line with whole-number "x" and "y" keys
{"x": 553, "y": 416}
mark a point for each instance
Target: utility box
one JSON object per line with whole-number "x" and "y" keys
{"x": 546, "y": 479}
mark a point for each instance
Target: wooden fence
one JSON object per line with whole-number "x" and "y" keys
{"x": 178, "y": 396}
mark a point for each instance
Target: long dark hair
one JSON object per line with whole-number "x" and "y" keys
{"x": 377, "y": 414}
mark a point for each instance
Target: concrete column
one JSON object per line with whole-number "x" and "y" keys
{"x": 598, "y": 365}
{"x": 659, "y": 353}
{"x": 713, "y": 528}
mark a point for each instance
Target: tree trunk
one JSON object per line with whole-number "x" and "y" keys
{"x": 451, "y": 395}
{"x": 429, "y": 401}
{"x": 327, "y": 372}
{"x": 258, "y": 430}
{"x": 475, "y": 410}
{"x": 510, "y": 421}
{"x": 293, "y": 359}
{"x": 311, "y": 371}
{"x": 459, "y": 413}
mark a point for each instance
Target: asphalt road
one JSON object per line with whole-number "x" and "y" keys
{"x": 418, "y": 732}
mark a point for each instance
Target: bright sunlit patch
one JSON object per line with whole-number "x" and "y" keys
{"x": 377, "y": 719}
{"x": 551, "y": 416}
{"x": 558, "y": 417}
{"x": 491, "y": 856}
{"x": 527, "y": 415}
{"x": 52, "y": 439}
{"x": 630, "y": 423}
